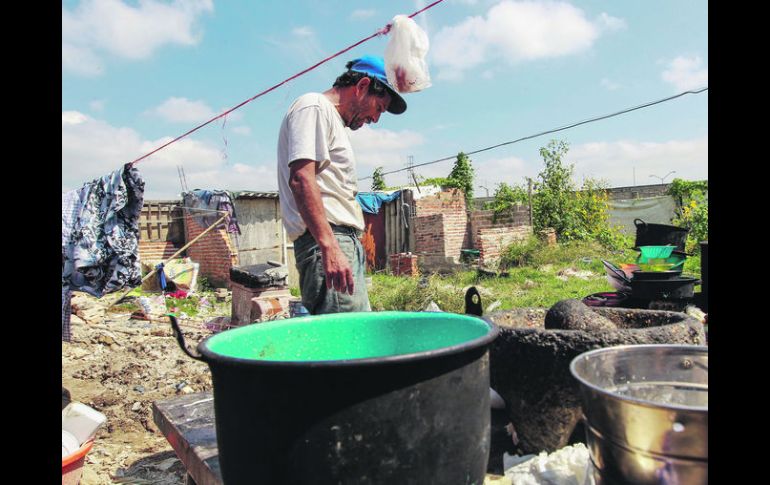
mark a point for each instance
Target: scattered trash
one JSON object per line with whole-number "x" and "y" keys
{"x": 139, "y": 389}
{"x": 566, "y": 273}
{"x": 177, "y": 294}
{"x": 217, "y": 324}
{"x": 432, "y": 307}
{"x": 494, "y": 306}
{"x": 569, "y": 465}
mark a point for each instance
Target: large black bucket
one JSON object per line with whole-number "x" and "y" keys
{"x": 355, "y": 398}
{"x": 649, "y": 234}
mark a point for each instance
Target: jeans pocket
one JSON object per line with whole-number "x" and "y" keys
{"x": 307, "y": 256}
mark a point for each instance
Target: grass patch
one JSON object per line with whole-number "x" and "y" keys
{"x": 551, "y": 274}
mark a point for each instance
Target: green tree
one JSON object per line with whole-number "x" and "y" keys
{"x": 553, "y": 203}
{"x": 574, "y": 214}
{"x": 461, "y": 176}
{"x": 378, "y": 181}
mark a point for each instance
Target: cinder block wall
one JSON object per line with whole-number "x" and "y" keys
{"x": 215, "y": 252}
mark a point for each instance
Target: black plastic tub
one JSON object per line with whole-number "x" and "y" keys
{"x": 650, "y": 234}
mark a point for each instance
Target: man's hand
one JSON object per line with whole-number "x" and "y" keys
{"x": 339, "y": 274}
{"x": 307, "y": 195}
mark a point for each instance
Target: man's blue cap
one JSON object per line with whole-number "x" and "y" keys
{"x": 375, "y": 66}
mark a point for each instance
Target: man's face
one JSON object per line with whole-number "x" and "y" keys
{"x": 366, "y": 109}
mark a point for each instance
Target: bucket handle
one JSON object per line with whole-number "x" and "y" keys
{"x": 180, "y": 339}
{"x": 473, "y": 302}
{"x": 638, "y": 222}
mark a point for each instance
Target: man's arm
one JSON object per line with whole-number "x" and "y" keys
{"x": 307, "y": 195}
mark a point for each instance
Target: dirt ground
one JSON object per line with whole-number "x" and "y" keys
{"x": 119, "y": 364}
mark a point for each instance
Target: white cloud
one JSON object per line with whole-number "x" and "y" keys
{"x": 610, "y": 23}
{"x": 97, "y": 105}
{"x": 302, "y": 31}
{"x": 610, "y": 85}
{"x": 183, "y": 110}
{"x": 361, "y": 14}
{"x": 686, "y": 73}
{"x": 92, "y": 148}
{"x": 72, "y": 118}
{"x": 98, "y": 28}
{"x": 515, "y": 32}
{"x": 616, "y": 162}
{"x": 242, "y": 130}
{"x": 620, "y": 161}
{"x": 382, "y": 148}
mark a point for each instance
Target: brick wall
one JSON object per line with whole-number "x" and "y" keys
{"x": 157, "y": 250}
{"x": 429, "y": 235}
{"x": 491, "y": 235}
{"x": 452, "y": 236}
{"x": 215, "y": 252}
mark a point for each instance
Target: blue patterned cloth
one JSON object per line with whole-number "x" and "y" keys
{"x": 101, "y": 251}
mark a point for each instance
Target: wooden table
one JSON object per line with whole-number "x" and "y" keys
{"x": 187, "y": 422}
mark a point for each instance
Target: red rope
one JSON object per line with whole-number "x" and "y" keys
{"x": 382, "y": 31}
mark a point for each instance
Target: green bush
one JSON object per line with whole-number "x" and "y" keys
{"x": 520, "y": 253}
{"x": 692, "y": 211}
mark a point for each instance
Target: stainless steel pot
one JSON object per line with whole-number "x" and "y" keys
{"x": 645, "y": 409}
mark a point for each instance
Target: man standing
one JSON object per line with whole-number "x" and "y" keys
{"x": 317, "y": 183}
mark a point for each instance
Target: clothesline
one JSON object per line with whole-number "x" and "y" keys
{"x": 379, "y": 32}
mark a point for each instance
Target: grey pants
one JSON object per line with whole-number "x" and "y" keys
{"x": 312, "y": 279}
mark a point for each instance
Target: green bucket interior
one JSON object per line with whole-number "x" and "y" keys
{"x": 344, "y": 336}
{"x": 654, "y": 252}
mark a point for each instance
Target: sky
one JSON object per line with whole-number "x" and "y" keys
{"x": 137, "y": 74}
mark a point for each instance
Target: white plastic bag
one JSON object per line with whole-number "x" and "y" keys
{"x": 405, "y": 53}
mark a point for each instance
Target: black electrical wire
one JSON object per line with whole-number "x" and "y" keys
{"x": 645, "y": 105}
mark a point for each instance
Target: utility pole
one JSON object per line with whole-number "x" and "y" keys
{"x": 410, "y": 168}
{"x": 634, "y": 176}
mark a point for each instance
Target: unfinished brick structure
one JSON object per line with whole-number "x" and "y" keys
{"x": 491, "y": 235}
{"x": 215, "y": 251}
{"x": 442, "y": 228}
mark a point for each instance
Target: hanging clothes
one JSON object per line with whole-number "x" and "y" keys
{"x": 209, "y": 201}
{"x": 70, "y": 203}
{"x": 372, "y": 201}
{"x": 101, "y": 252}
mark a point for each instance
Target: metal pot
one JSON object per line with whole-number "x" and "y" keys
{"x": 385, "y": 397}
{"x": 645, "y": 409}
{"x": 670, "y": 289}
{"x": 656, "y": 275}
{"x": 649, "y": 234}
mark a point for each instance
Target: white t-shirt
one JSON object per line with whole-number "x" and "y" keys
{"x": 314, "y": 130}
